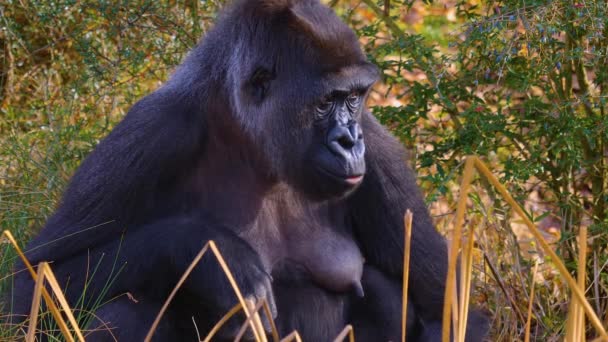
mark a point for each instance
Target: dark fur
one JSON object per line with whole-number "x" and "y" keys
{"x": 207, "y": 158}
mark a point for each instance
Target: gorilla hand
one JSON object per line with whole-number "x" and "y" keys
{"x": 210, "y": 284}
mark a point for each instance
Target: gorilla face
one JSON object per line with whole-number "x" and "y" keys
{"x": 317, "y": 143}
{"x": 340, "y": 158}
{"x": 334, "y": 163}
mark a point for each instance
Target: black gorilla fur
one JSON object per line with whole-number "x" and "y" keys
{"x": 261, "y": 142}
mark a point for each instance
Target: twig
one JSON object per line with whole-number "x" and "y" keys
{"x": 503, "y": 288}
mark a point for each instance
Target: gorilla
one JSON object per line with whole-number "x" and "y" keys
{"x": 261, "y": 142}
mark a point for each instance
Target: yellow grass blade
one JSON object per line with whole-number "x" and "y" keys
{"x": 406, "y": 270}
{"x": 237, "y": 308}
{"x": 582, "y": 268}
{"x": 256, "y": 325}
{"x": 209, "y": 245}
{"x": 453, "y": 252}
{"x": 63, "y": 327}
{"x": 174, "y": 291}
{"x": 222, "y": 321}
{"x": 570, "y": 322}
{"x": 529, "y": 320}
{"x": 273, "y": 326}
{"x": 26, "y": 262}
{"x": 575, "y": 326}
{"x": 50, "y": 277}
{"x": 466, "y": 268}
{"x": 293, "y": 336}
{"x": 348, "y": 330}
{"x": 256, "y": 318}
{"x": 454, "y": 309}
{"x": 36, "y": 298}
{"x": 254, "y": 311}
{"x": 580, "y": 296}
{"x": 45, "y": 273}
{"x": 47, "y": 298}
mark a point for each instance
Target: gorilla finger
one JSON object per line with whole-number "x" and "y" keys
{"x": 270, "y": 298}
{"x": 263, "y": 292}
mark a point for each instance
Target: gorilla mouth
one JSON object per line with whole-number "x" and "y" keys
{"x": 350, "y": 180}
{"x": 354, "y": 179}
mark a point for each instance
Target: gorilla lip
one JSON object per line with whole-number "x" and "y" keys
{"x": 349, "y": 179}
{"x": 354, "y": 179}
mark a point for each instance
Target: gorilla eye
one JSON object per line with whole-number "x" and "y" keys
{"x": 259, "y": 83}
{"x": 353, "y": 100}
{"x": 325, "y": 106}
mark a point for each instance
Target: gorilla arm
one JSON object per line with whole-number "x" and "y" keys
{"x": 127, "y": 178}
{"x": 377, "y": 208}
{"x": 130, "y": 182}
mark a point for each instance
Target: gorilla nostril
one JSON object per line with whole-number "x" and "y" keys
{"x": 346, "y": 142}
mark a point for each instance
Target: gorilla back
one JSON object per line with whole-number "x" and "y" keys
{"x": 261, "y": 142}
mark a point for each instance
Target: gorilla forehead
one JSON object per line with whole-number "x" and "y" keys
{"x": 281, "y": 30}
{"x": 350, "y": 77}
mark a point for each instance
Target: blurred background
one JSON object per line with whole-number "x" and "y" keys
{"x": 521, "y": 84}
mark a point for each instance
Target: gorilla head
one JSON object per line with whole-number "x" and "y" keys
{"x": 297, "y": 83}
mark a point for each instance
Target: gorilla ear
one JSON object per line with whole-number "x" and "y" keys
{"x": 259, "y": 83}
{"x": 298, "y": 16}
{"x": 311, "y": 22}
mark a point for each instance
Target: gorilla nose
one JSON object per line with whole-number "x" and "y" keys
{"x": 343, "y": 139}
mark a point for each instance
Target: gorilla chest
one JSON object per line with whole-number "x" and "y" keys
{"x": 307, "y": 244}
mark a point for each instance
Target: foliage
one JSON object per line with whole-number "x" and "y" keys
{"x": 69, "y": 71}
{"x": 522, "y": 84}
